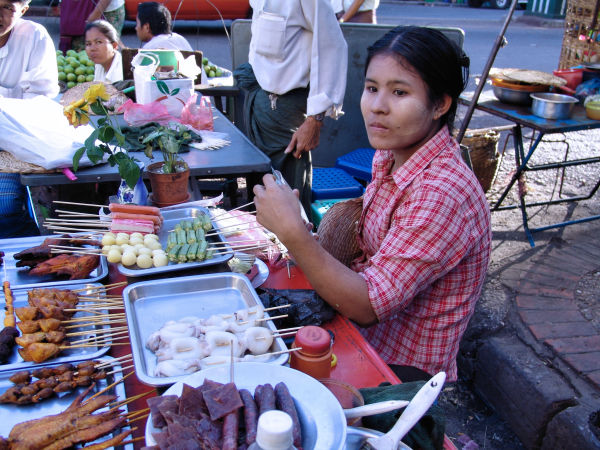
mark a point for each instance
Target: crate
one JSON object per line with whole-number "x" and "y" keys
{"x": 320, "y": 207}
{"x": 330, "y": 182}
{"x": 580, "y": 39}
{"x": 357, "y": 163}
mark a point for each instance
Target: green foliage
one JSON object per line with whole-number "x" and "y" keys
{"x": 169, "y": 139}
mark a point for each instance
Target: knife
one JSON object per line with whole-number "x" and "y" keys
{"x": 281, "y": 181}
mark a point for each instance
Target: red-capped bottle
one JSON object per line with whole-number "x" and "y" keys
{"x": 315, "y": 357}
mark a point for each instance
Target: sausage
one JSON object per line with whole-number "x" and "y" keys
{"x": 250, "y": 415}
{"x": 134, "y": 209}
{"x": 121, "y": 215}
{"x": 265, "y": 398}
{"x": 285, "y": 403}
{"x": 230, "y": 430}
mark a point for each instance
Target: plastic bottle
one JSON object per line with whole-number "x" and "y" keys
{"x": 315, "y": 357}
{"x": 274, "y": 432}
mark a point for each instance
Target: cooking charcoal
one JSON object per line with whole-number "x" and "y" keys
{"x": 222, "y": 400}
{"x": 307, "y": 308}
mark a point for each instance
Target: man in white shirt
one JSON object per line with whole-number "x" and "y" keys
{"x": 27, "y": 54}
{"x": 153, "y": 28}
{"x": 295, "y": 77}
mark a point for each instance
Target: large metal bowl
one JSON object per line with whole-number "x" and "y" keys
{"x": 553, "y": 106}
{"x": 512, "y": 96}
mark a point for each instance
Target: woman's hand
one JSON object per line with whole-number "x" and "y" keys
{"x": 278, "y": 209}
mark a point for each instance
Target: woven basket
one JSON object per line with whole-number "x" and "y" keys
{"x": 581, "y": 19}
{"x": 483, "y": 149}
{"x": 337, "y": 230}
{"x": 10, "y": 164}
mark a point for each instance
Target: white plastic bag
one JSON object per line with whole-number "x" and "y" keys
{"x": 35, "y": 130}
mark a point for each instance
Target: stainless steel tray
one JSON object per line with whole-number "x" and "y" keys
{"x": 76, "y": 354}
{"x": 150, "y": 304}
{"x": 172, "y": 218}
{"x": 19, "y": 277}
{"x": 14, "y": 414}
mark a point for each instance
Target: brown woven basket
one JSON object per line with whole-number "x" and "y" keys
{"x": 483, "y": 149}
{"x": 10, "y": 164}
{"x": 581, "y": 19}
{"x": 337, "y": 230}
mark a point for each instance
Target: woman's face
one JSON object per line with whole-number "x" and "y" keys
{"x": 98, "y": 47}
{"x": 396, "y": 109}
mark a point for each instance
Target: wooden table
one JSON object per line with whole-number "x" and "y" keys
{"x": 358, "y": 363}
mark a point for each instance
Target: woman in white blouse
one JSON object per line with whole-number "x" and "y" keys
{"x": 101, "y": 46}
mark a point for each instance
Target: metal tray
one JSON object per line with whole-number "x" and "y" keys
{"x": 172, "y": 218}
{"x": 19, "y": 277}
{"x": 149, "y": 304}
{"x": 76, "y": 354}
{"x": 14, "y": 414}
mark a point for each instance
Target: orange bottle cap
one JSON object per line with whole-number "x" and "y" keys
{"x": 313, "y": 340}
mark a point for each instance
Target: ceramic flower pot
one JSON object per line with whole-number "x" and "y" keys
{"x": 168, "y": 188}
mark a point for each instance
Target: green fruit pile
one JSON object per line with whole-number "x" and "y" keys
{"x": 74, "y": 67}
{"x": 210, "y": 69}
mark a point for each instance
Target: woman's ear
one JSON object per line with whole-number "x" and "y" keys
{"x": 442, "y": 106}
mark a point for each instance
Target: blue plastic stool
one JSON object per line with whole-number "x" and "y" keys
{"x": 357, "y": 163}
{"x": 334, "y": 183}
{"x": 320, "y": 207}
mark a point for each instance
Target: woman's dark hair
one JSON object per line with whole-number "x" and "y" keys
{"x": 156, "y": 15}
{"x": 441, "y": 64}
{"x": 105, "y": 28}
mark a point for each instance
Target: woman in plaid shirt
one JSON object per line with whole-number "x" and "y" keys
{"x": 425, "y": 229}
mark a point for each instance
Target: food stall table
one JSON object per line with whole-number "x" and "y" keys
{"x": 240, "y": 158}
{"x": 358, "y": 363}
{"x": 523, "y": 117}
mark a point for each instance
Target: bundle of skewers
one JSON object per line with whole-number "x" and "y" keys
{"x": 52, "y": 381}
{"x": 45, "y": 322}
{"x": 191, "y": 343}
{"x": 127, "y": 218}
{"x": 84, "y": 421}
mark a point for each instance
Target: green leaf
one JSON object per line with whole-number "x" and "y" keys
{"x": 129, "y": 171}
{"x": 76, "y": 157}
{"x": 90, "y": 142}
{"x": 106, "y": 134}
{"x": 148, "y": 151}
{"x": 97, "y": 108}
{"x": 152, "y": 136}
{"x": 175, "y": 91}
{"x": 101, "y": 121}
{"x": 162, "y": 87}
{"x": 95, "y": 154}
{"x": 120, "y": 138}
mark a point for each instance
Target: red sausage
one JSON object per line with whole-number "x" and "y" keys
{"x": 265, "y": 398}
{"x": 285, "y": 403}
{"x": 250, "y": 415}
{"x": 134, "y": 209}
{"x": 122, "y": 215}
{"x": 230, "y": 430}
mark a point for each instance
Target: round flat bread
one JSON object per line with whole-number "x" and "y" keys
{"x": 527, "y": 76}
{"x": 117, "y": 98}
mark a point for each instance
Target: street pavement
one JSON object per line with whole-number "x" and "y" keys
{"x": 531, "y": 350}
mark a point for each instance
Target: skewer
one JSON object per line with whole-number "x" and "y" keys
{"x": 229, "y": 316}
{"x": 101, "y": 331}
{"x": 264, "y": 319}
{"x": 264, "y": 354}
{"x": 241, "y": 241}
{"x": 62, "y": 202}
{"x": 66, "y": 347}
{"x": 68, "y": 213}
{"x": 79, "y": 238}
{"x": 106, "y": 287}
{"x": 238, "y": 224}
{"x": 118, "y": 404}
{"x": 92, "y": 223}
{"x": 288, "y": 329}
{"x": 91, "y": 308}
{"x": 59, "y": 229}
{"x": 110, "y": 363}
{"x": 97, "y": 297}
{"x": 131, "y": 441}
{"x": 217, "y": 232}
{"x": 98, "y": 317}
{"x": 77, "y": 252}
{"x": 234, "y": 209}
{"x": 226, "y": 252}
{"x": 97, "y": 323}
{"x": 140, "y": 418}
{"x": 122, "y": 369}
{"x": 68, "y": 247}
{"x": 105, "y": 339}
{"x": 137, "y": 413}
{"x": 108, "y": 387}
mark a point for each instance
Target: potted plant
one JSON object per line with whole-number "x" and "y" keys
{"x": 106, "y": 130}
{"x": 168, "y": 178}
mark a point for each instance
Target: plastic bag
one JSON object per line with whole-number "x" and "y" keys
{"x": 136, "y": 114}
{"x": 198, "y": 116}
{"x": 587, "y": 88}
{"x": 36, "y": 131}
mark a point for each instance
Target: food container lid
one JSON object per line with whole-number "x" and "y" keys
{"x": 313, "y": 340}
{"x": 274, "y": 430}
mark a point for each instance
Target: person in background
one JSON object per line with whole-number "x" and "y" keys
{"x": 27, "y": 69}
{"x": 102, "y": 47}
{"x": 295, "y": 76}
{"x": 113, "y": 11}
{"x": 358, "y": 11}
{"x": 154, "y": 28}
{"x": 424, "y": 231}
{"x": 73, "y": 17}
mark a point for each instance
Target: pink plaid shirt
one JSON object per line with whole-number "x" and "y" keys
{"x": 425, "y": 233}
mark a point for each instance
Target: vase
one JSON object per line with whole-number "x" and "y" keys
{"x": 137, "y": 195}
{"x": 168, "y": 188}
